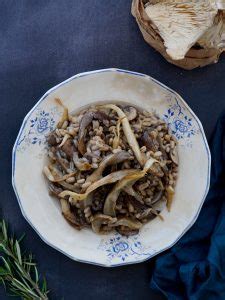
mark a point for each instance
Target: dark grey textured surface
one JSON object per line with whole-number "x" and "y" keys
{"x": 45, "y": 42}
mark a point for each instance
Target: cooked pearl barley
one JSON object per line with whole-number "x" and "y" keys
{"x": 95, "y": 124}
{"x": 87, "y": 212}
{"x": 81, "y": 181}
{"x": 147, "y": 124}
{"x": 159, "y": 128}
{"x": 86, "y": 185}
{"x": 130, "y": 207}
{"x": 158, "y": 154}
{"x": 70, "y": 180}
{"x": 154, "y": 134}
{"x": 167, "y": 148}
{"x": 116, "y": 150}
{"x": 94, "y": 160}
{"x": 143, "y": 186}
{"x": 143, "y": 149}
{"x": 167, "y": 137}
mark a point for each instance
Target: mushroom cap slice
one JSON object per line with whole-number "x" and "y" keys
{"x": 110, "y": 202}
{"x": 181, "y": 23}
{"x": 111, "y": 178}
{"x": 99, "y": 220}
{"x": 111, "y": 159}
{"x": 126, "y": 182}
{"x": 86, "y": 120}
{"x": 131, "y": 139}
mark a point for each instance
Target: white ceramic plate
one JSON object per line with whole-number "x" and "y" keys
{"x": 43, "y": 212}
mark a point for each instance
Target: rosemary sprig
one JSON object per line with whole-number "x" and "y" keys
{"x": 18, "y": 272}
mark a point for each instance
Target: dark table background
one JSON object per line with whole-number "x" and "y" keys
{"x": 43, "y": 43}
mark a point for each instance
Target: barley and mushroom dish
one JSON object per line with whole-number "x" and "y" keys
{"x": 112, "y": 167}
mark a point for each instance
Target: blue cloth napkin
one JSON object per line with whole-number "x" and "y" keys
{"x": 195, "y": 267}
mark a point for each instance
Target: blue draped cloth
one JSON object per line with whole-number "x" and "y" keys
{"x": 195, "y": 267}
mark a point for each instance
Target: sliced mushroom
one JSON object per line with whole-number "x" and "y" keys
{"x": 160, "y": 204}
{"x": 130, "y": 191}
{"x": 181, "y": 24}
{"x": 126, "y": 231}
{"x": 98, "y": 198}
{"x": 68, "y": 148}
{"x": 156, "y": 170}
{"x": 68, "y": 186}
{"x": 65, "y": 138}
{"x": 157, "y": 213}
{"x": 63, "y": 162}
{"x": 174, "y": 156}
{"x": 54, "y": 190}
{"x": 138, "y": 206}
{"x": 146, "y": 214}
{"x": 69, "y": 216}
{"x": 149, "y": 142}
{"x": 116, "y": 140}
{"x": 170, "y": 194}
{"x": 79, "y": 216}
{"x": 157, "y": 197}
{"x": 81, "y": 165}
{"x": 128, "y": 222}
{"x": 51, "y": 139}
{"x": 65, "y": 115}
{"x": 161, "y": 148}
{"x": 86, "y": 120}
{"x": 149, "y": 166}
{"x": 110, "y": 202}
{"x": 130, "y": 112}
{"x": 99, "y": 220}
{"x": 153, "y": 166}
{"x": 109, "y": 160}
{"x": 55, "y": 177}
{"x": 131, "y": 139}
{"x": 164, "y": 167}
{"x": 111, "y": 178}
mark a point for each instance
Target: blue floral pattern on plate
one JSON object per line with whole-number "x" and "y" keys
{"x": 180, "y": 124}
{"x": 120, "y": 248}
{"x": 40, "y": 125}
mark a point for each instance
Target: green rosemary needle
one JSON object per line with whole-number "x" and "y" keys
{"x": 18, "y": 271}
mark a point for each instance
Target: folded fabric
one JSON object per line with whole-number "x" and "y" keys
{"x": 195, "y": 267}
